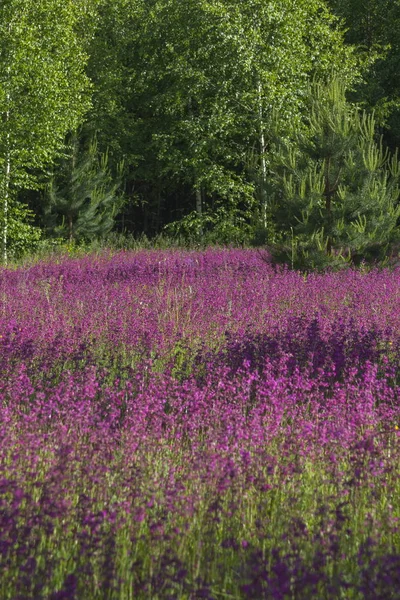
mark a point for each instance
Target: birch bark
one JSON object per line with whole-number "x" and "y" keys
{"x": 7, "y": 174}
{"x": 262, "y": 157}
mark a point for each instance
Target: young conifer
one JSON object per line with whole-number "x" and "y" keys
{"x": 337, "y": 188}
{"x": 83, "y": 201}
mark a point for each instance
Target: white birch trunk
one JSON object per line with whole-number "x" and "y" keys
{"x": 263, "y": 190}
{"x": 7, "y": 176}
{"x": 6, "y": 200}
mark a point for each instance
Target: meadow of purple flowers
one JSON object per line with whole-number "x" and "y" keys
{"x": 198, "y": 425}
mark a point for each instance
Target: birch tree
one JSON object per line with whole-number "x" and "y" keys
{"x": 201, "y": 82}
{"x": 44, "y": 91}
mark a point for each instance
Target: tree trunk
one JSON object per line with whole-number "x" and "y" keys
{"x": 199, "y": 205}
{"x": 263, "y": 190}
{"x": 7, "y": 177}
{"x": 5, "y": 208}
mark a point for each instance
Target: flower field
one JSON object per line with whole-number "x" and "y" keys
{"x": 198, "y": 425}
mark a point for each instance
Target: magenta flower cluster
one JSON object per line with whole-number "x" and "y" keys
{"x": 198, "y": 425}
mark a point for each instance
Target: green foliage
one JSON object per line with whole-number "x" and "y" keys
{"x": 44, "y": 90}
{"x": 183, "y": 89}
{"x": 83, "y": 200}
{"x": 190, "y": 96}
{"x": 374, "y": 27}
{"x": 337, "y": 188}
{"x": 24, "y": 236}
{"x": 218, "y": 226}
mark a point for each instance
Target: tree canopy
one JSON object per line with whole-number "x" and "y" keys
{"x": 197, "y": 85}
{"x": 190, "y": 96}
{"x": 44, "y": 89}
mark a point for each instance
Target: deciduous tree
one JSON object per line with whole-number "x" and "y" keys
{"x": 183, "y": 90}
{"x": 44, "y": 90}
